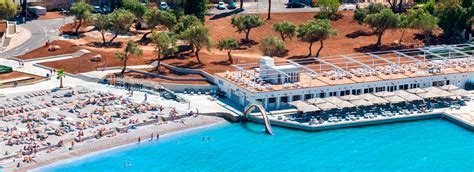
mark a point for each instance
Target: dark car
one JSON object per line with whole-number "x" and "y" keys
{"x": 231, "y": 5}
{"x": 295, "y": 5}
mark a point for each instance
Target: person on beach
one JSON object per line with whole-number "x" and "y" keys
{"x": 157, "y": 136}
{"x": 151, "y": 138}
{"x": 146, "y": 97}
{"x": 139, "y": 139}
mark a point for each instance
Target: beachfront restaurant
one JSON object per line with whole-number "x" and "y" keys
{"x": 354, "y": 74}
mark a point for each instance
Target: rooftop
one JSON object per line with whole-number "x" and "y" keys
{"x": 362, "y": 67}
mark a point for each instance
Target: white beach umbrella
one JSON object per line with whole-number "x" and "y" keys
{"x": 460, "y": 92}
{"x": 416, "y": 91}
{"x": 316, "y": 101}
{"x": 394, "y": 99}
{"x": 384, "y": 94}
{"x": 350, "y": 97}
{"x": 326, "y": 106}
{"x": 450, "y": 87}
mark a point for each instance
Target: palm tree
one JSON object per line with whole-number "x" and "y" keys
{"x": 60, "y": 75}
{"x": 132, "y": 48}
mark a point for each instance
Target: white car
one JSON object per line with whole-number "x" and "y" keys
{"x": 221, "y": 5}
{"x": 163, "y": 6}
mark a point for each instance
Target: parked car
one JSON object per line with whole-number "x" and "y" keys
{"x": 153, "y": 5}
{"x": 231, "y": 5}
{"x": 221, "y": 5}
{"x": 295, "y": 5}
{"x": 106, "y": 9}
{"x": 163, "y": 6}
{"x": 97, "y": 9}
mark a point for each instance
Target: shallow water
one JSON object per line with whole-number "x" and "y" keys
{"x": 432, "y": 145}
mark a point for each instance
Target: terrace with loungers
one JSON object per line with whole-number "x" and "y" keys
{"x": 359, "y": 68}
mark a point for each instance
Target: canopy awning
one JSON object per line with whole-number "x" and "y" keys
{"x": 303, "y": 106}
{"x": 373, "y": 99}
{"x": 416, "y": 91}
{"x": 460, "y": 92}
{"x": 350, "y": 97}
{"x": 361, "y": 102}
{"x": 435, "y": 92}
{"x": 394, "y": 99}
{"x": 384, "y": 94}
{"x": 345, "y": 104}
{"x": 333, "y": 100}
{"x": 326, "y": 106}
{"x": 450, "y": 88}
{"x": 407, "y": 96}
{"x": 316, "y": 101}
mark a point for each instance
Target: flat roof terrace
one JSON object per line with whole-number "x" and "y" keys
{"x": 361, "y": 67}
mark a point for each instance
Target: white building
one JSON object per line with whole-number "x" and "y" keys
{"x": 341, "y": 75}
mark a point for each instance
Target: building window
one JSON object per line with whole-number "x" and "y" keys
{"x": 308, "y": 96}
{"x": 322, "y": 95}
{"x": 271, "y": 100}
{"x": 284, "y": 99}
{"x": 296, "y": 97}
{"x": 221, "y": 83}
{"x": 438, "y": 83}
{"x": 342, "y": 93}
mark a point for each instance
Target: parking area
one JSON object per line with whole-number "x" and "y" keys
{"x": 278, "y": 6}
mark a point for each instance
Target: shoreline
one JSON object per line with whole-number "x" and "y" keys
{"x": 86, "y": 149}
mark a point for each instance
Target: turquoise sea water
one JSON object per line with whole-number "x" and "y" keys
{"x": 432, "y": 145}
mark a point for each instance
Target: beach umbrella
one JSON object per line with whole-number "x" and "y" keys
{"x": 333, "y": 100}
{"x": 460, "y": 92}
{"x": 361, "y": 102}
{"x": 416, "y": 91}
{"x": 407, "y": 96}
{"x": 345, "y": 104}
{"x": 436, "y": 92}
{"x": 384, "y": 94}
{"x": 450, "y": 87}
{"x": 394, "y": 99}
{"x": 350, "y": 97}
{"x": 326, "y": 106}
{"x": 303, "y": 106}
{"x": 316, "y": 101}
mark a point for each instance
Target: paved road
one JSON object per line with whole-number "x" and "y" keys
{"x": 41, "y": 32}
{"x": 278, "y": 6}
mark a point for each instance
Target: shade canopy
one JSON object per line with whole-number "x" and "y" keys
{"x": 326, "y": 106}
{"x": 303, "y": 106}
{"x": 394, "y": 99}
{"x": 384, "y": 94}
{"x": 373, "y": 99}
{"x": 350, "y": 97}
{"x": 316, "y": 101}
{"x": 416, "y": 91}
{"x": 333, "y": 100}
{"x": 361, "y": 102}
{"x": 407, "y": 96}
{"x": 345, "y": 104}
{"x": 460, "y": 92}
{"x": 450, "y": 87}
{"x": 435, "y": 92}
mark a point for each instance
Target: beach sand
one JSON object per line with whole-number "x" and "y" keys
{"x": 90, "y": 146}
